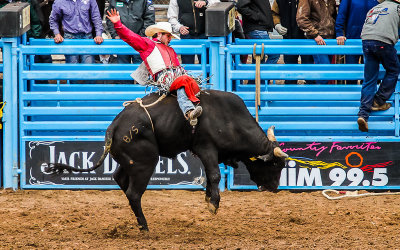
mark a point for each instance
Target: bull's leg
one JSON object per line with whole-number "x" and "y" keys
{"x": 133, "y": 179}
{"x": 134, "y": 195}
{"x": 209, "y": 159}
{"x": 208, "y": 191}
{"x": 121, "y": 178}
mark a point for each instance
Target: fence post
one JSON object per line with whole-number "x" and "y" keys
{"x": 10, "y": 113}
{"x": 217, "y": 61}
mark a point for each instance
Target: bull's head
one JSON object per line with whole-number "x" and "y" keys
{"x": 265, "y": 170}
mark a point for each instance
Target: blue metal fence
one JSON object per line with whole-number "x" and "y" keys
{"x": 62, "y": 111}
{"x": 308, "y": 112}
{"x": 56, "y": 110}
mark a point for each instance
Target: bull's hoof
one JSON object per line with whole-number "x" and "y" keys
{"x": 207, "y": 199}
{"x": 143, "y": 228}
{"x": 212, "y": 208}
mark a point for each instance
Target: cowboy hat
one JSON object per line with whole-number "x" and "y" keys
{"x": 163, "y": 27}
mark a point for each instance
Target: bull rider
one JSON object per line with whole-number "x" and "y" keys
{"x": 160, "y": 61}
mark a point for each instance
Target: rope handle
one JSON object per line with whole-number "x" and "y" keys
{"x": 140, "y": 101}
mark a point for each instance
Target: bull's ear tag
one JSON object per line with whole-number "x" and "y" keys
{"x": 252, "y": 159}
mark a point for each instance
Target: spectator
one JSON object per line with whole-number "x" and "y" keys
{"x": 3, "y": 3}
{"x": 379, "y": 35}
{"x": 284, "y": 17}
{"x": 136, "y": 15}
{"x": 257, "y": 21}
{"x": 36, "y": 31}
{"x": 317, "y": 19}
{"x": 78, "y": 18}
{"x": 349, "y": 22}
{"x": 188, "y": 18}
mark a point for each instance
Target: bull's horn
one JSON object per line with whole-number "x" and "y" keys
{"x": 270, "y": 133}
{"x": 279, "y": 153}
{"x": 266, "y": 157}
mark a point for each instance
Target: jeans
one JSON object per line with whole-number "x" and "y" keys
{"x": 78, "y": 58}
{"x": 376, "y": 52}
{"x": 184, "y": 103}
{"x": 189, "y": 59}
{"x": 86, "y": 59}
{"x": 263, "y": 34}
{"x": 127, "y": 59}
{"x": 322, "y": 59}
{"x": 293, "y": 59}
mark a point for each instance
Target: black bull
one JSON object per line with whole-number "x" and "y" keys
{"x": 226, "y": 133}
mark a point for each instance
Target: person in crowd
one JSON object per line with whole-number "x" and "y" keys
{"x": 160, "y": 61}
{"x": 379, "y": 35}
{"x": 317, "y": 19}
{"x": 78, "y": 18}
{"x": 4, "y": 2}
{"x": 188, "y": 18}
{"x": 136, "y": 15}
{"x": 349, "y": 23}
{"x": 284, "y": 17}
{"x": 257, "y": 22}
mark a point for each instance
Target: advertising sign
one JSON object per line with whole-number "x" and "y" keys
{"x": 184, "y": 170}
{"x": 345, "y": 165}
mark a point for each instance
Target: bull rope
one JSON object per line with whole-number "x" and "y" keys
{"x": 140, "y": 101}
{"x": 353, "y": 194}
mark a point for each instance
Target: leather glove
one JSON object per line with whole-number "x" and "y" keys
{"x": 281, "y": 30}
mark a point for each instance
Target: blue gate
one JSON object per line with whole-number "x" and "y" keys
{"x": 66, "y": 122}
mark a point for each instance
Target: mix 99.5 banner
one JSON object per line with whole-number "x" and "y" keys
{"x": 310, "y": 164}
{"x": 336, "y": 164}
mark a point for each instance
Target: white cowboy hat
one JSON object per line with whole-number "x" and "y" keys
{"x": 163, "y": 27}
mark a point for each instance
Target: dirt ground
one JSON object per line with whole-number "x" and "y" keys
{"x": 48, "y": 219}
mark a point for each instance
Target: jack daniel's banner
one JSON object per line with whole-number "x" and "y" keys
{"x": 185, "y": 169}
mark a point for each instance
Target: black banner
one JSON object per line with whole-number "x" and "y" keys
{"x": 184, "y": 170}
{"x": 338, "y": 164}
{"x": 311, "y": 164}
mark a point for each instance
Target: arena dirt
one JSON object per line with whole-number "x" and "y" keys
{"x": 50, "y": 219}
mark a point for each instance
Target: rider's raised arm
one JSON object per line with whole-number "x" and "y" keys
{"x": 140, "y": 44}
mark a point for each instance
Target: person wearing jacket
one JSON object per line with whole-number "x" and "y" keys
{"x": 160, "y": 61}
{"x": 188, "y": 18}
{"x": 317, "y": 19}
{"x": 379, "y": 35}
{"x": 284, "y": 17}
{"x": 257, "y": 22}
{"x": 136, "y": 15}
{"x": 349, "y": 23}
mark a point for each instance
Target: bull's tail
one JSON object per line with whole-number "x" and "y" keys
{"x": 58, "y": 168}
